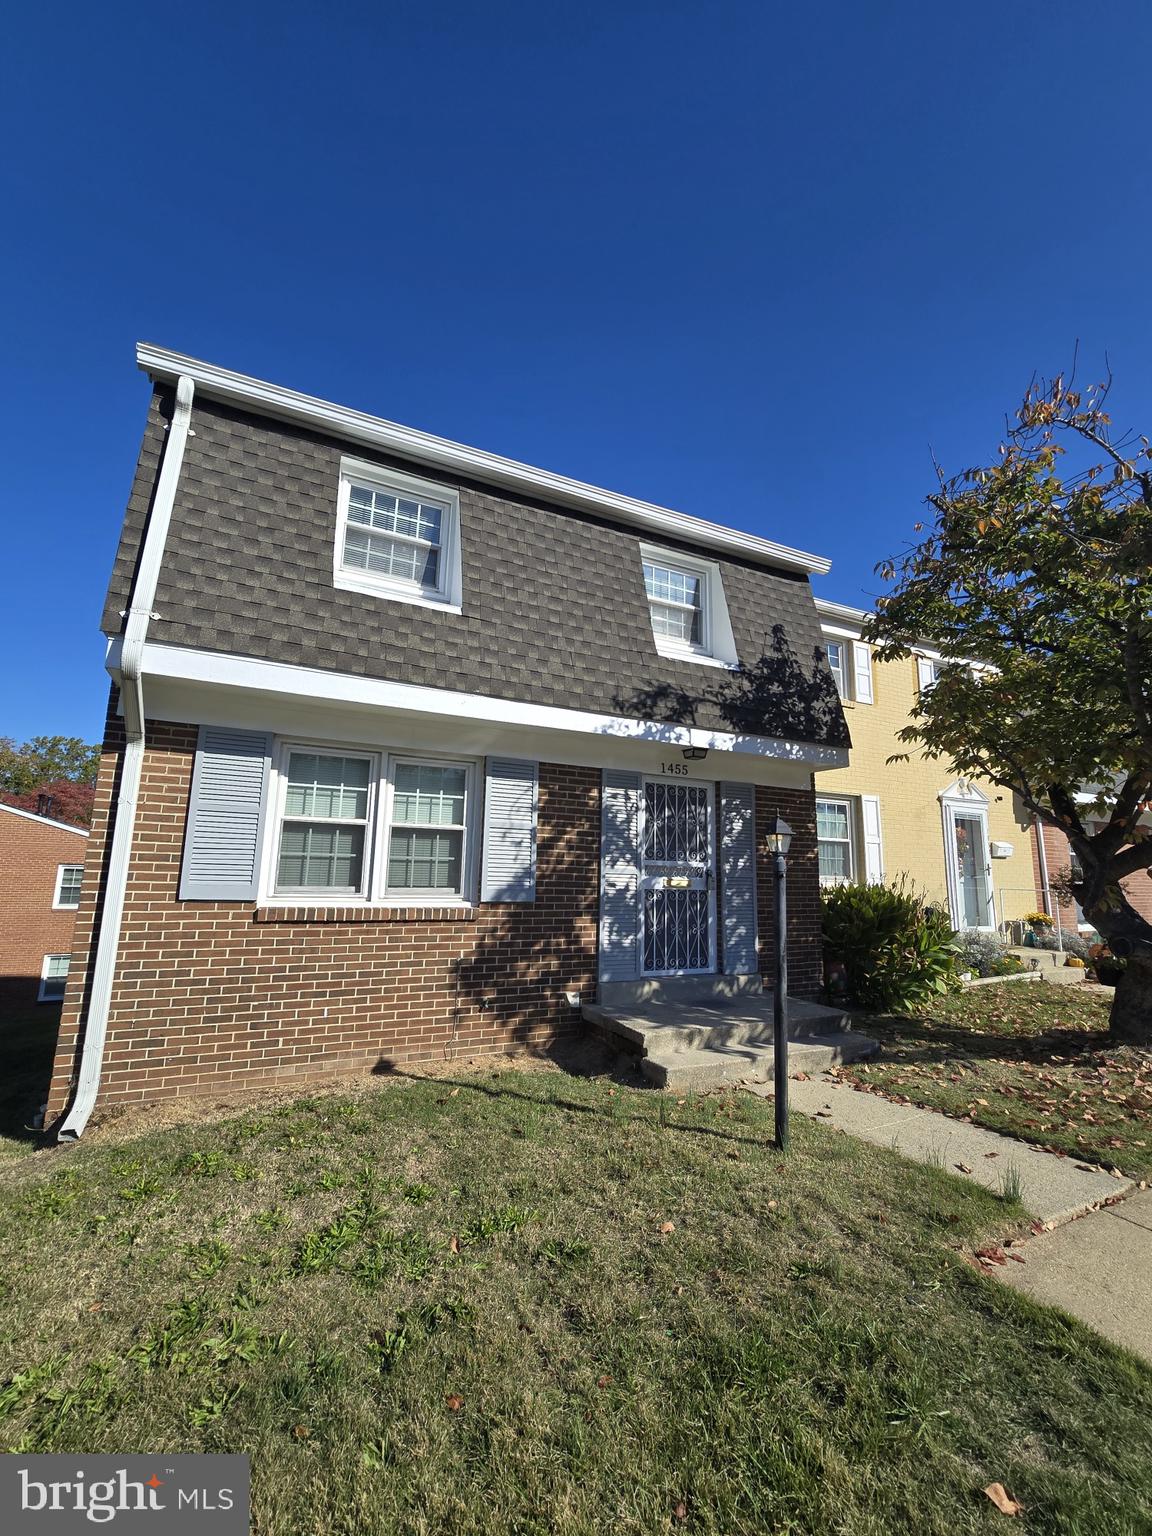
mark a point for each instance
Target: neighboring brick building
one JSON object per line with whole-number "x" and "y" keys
{"x": 423, "y": 746}
{"x": 41, "y": 864}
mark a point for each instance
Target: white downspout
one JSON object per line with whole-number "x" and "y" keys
{"x": 132, "y": 763}
{"x": 1042, "y": 852}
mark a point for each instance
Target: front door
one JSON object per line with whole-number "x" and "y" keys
{"x": 973, "y": 871}
{"x": 677, "y": 885}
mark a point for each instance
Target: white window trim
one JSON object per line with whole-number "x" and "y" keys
{"x": 57, "y": 904}
{"x": 855, "y": 848}
{"x": 41, "y": 996}
{"x": 449, "y": 595}
{"x": 311, "y": 895}
{"x": 374, "y": 891}
{"x": 966, "y": 799}
{"x": 717, "y": 646}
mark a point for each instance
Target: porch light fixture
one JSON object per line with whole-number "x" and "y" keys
{"x": 778, "y": 840}
{"x": 695, "y": 754}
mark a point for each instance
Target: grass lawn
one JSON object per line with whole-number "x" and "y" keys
{"x": 526, "y": 1302}
{"x": 1028, "y": 1059}
{"x": 27, "y": 1046}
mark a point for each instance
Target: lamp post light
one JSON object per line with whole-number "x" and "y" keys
{"x": 778, "y": 841}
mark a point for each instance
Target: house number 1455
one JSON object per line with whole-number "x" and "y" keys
{"x": 679, "y": 769}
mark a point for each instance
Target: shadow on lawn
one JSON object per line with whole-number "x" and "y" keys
{"x": 917, "y": 1040}
{"x": 578, "y": 1063}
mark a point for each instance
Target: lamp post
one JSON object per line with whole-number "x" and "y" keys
{"x": 778, "y": 841}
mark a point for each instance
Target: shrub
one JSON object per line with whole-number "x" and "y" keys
{"x": 978, "y": 952}
{"x": 1073, "y": 943}
{"x": 897, "y": 953}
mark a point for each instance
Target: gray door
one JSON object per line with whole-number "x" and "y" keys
{"x": 677, "y": 884}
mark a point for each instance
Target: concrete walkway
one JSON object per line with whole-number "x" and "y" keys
{"x": 1098, "y": 1269}
{"x": 1052, "y": 1189}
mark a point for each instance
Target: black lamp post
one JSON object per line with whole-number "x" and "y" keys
{"x": 778, "y": 841}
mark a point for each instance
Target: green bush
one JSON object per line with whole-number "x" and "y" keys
{"x": 897, "y": 952}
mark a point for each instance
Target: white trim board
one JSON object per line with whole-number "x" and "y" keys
{"x": 314, "y": 685}
{"x": 425, "y": 448}
{"x": 45, "y": 821}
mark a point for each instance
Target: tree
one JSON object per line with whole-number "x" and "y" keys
{"x": 62, "y": 767}
{"x": 1035, "y": 585}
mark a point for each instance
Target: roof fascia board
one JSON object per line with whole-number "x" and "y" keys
{"x": 45, "y": 821}
{"x": 425, "y": 448}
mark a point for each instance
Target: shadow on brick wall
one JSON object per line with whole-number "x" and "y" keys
{"x": 27, "y": 1046}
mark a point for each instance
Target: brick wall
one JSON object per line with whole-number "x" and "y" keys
{"x": 1137, "y": 888}
{"x": 211, "y": 995}
{"x": 1059, "y": 860}
{"x": 30, "y": 854}
{"x": 805, "y": 952}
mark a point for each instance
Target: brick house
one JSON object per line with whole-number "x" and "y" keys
{"x": 411, "y": 749}
{"x": 41, "y": 865}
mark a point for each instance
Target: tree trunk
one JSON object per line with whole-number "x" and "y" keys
{"x": 1130, "y": 1021}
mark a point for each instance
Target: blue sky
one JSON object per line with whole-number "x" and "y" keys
{"x": 751, "y": 261}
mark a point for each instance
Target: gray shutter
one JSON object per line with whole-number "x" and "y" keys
{"x": 620, "y": 877}
{"x": 738, "y": 875}
{"x": 511, "y": 796}
{"x": 226, "y": 816}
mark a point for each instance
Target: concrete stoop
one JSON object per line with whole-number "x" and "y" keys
{"x": 697, "y": 1042}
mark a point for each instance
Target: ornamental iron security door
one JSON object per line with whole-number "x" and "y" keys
{"x": 677, "y": 878}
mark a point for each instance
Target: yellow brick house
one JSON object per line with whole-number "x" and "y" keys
{"x": 968, "y": 845}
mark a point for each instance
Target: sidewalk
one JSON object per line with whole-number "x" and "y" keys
{"x": 1052, "y": 1189}
{"x": 1096, "y": 1269}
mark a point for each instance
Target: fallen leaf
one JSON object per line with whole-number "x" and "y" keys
{"x": 1002, "y": 1500}
{"x": 991, "y": 1154}
{"x": 454, "y": 1402}
{"x": 454, "y": 1245}
{"x": 453, "y": 1093}
{"x": 772, "y": 1205}
{"x": 1017, "y": 1258}
{"x": 667, "y": 1226}
{"x": 301, "y": 1431}
{"x": 681, "y": 1511}
{"x": 963, "y": 1167}
{"x": 603, "y": 1381}
{"x": 800, "y": 1077}
{"x": 992, "y": 1255}
{"x": 97, "y": 1306}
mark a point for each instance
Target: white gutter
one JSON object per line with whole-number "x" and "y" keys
{"x": 341, "y": 421}
{"x": 138, "y": 616}
{"x": 1042, "y": 855}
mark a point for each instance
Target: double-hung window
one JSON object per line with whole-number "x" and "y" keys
{"x": 676, "y": 603}
{"x": 359, "y": 826}
{"x": 837, "y": 665}
{"x": 53, "y": 978}
{"x": 69, "y": 878}
{"x": 426, "y": 840}
{"x": 324, "y": 833}
{"x": 397, "y": 537}
{"x": 835, "y": 842}
{"x": 686, "y": 607}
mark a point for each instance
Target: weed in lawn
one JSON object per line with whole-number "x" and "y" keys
{"x": 207, "y": 1258}
{"x": 1011, "y": 1185}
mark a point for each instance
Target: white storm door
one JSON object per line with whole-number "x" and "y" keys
{"x": 677, "y": 878}
{"x": 972, "y": 868}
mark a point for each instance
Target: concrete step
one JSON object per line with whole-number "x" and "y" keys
{"x": 712, "y": 1066}
{"x": 705, "y": 1042}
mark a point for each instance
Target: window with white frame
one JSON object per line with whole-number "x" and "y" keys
{"x": 836, "y": 841}
{"x": 53, "y": 978}
{"x": 676, "y": 603}
{"x": 396, "y": 536}
{"x": 426, "y": 839}
{"x": 837, "y": 665}
{"x": 927, "y": 672}
{"x": 69, "y": 878}
{"x": 336, "y": 809}
{"x": 687, "y": 608}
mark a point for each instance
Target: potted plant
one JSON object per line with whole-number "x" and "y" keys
{"x": 1107, "y": 967}
{"x": 1035, "y": 924}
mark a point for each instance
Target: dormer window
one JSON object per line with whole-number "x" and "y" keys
{"x": 687, "y": 608}
{"x": 675, "y": 600}
{"x": 397, "y": 537}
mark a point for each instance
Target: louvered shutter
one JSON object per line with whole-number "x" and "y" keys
{"x": 511, "y": 797}
{"x": 620, "y": 876}
{"x": 738, "y": 877}
{"x": 873, "y": 843}
{"x": 862, "y": 665}
{"x": 226, "y": 816}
